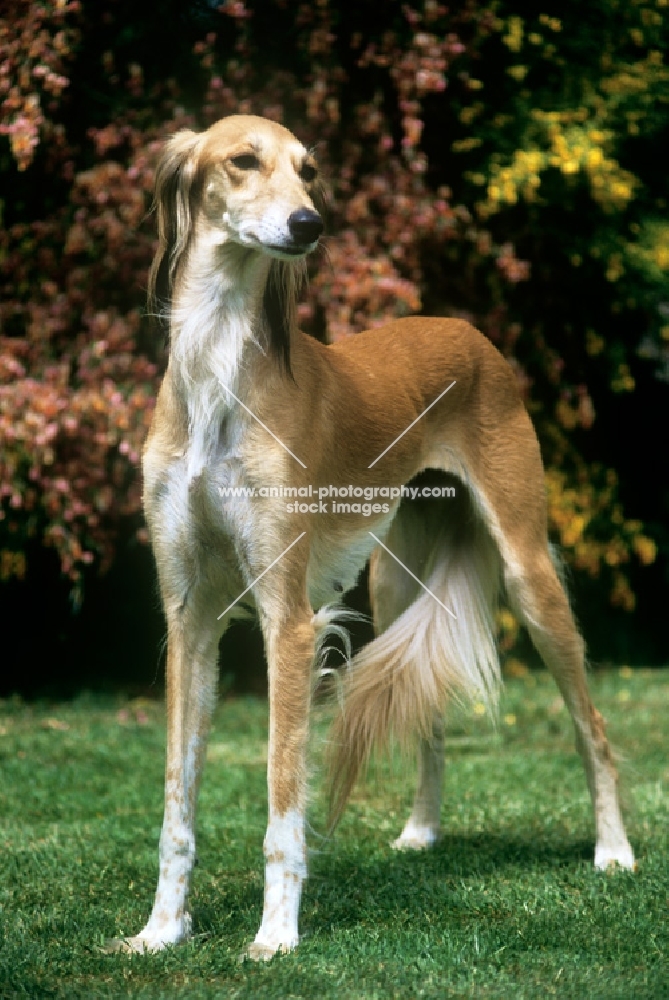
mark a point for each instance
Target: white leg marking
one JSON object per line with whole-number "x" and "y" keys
{"x": 285, "y": 870}
{"x": 612, "y": 855}
{"x": 170, "y": 922}
{"x": 612, "y": 847}
{"x": 423, "y": 826}
{"x": 192, "y": 702}
{"x": 416, "y": 836}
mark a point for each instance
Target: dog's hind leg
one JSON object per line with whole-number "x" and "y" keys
{"x": 539, "y": 598}
{"x": 518, "y": 522}
{"x": 392, "y": 590}
{"x": 423, "y": 828}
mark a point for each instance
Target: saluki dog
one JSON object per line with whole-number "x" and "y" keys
{"x": 252, "y": 406}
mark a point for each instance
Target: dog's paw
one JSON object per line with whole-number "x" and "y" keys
{"x": 158, "y": 934}
{"x": 137, "y": 945}
{"x": 259, "y": 951}
{"x": 609, "y": 858}
{"x": 416, "y": 837}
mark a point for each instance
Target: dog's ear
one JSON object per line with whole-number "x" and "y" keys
{"x": 175, "y": 177}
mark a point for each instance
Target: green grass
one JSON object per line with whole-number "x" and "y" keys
{"x": 507, "y": 906}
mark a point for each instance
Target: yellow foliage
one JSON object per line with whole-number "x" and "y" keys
{"x": 594, "y": 344}
{"x": 564, "y": 142}
{"x": 623, "y": 381}
{"x": 646, "y": 549}
{"x": 552, "y": 22}
{"x": 573, "y": 512}
{"x": 651, "y": 250}
{"x": 622, "y": 595}
{"x": 517, "y": 72}
{"x": 615, "y": 268}
{"x": 661, "y": 255}
{"x": 514, "y": 36}
{"x": 573, "y": 532}
{"x": 470, "y": 112}
{"x": 464, "y": 145}
{"x": 508, "y": 629}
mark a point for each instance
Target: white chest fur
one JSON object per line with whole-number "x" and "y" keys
{"x": 213, "y": 321}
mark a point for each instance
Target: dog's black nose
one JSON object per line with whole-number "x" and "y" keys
{"x": 305, "y": 226}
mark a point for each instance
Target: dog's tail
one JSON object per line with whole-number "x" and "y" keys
{"x": 441, "y": 647}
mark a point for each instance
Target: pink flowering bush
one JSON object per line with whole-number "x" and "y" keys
{"x": 375, "y": 90}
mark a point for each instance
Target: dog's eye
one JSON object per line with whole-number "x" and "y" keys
{"x": 246, "y": 161}
{"x": 308, "y": 172}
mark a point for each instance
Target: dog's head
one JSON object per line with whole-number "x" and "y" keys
{"x": 258, "y": 187}
{"x": 248, "y": 181}
{"x": 247, "y": 186}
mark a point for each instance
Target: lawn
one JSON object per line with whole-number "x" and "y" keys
{"x": 508, "y": 905}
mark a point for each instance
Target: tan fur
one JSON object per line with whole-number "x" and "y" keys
{"x": 248, "y": 400}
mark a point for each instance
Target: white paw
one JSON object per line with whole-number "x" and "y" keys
{"x": 137, "y": 945}
{"x": 158, "y": 934}
{"x": 416, "y": 837}
{"x": 263, "y": 951}
{"x": 618, "y": 856}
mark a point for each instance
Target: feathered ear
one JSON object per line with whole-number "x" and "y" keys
{"x": 282, "y": 289}
{"x": 175, "y": 176}
{"x": 280, "y": 307}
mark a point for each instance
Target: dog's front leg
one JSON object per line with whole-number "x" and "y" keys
{"x": 290, "y": 654}
{"x": 191, "y": 693}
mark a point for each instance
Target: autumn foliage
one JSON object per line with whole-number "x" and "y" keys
{"x": 486, "y": 162}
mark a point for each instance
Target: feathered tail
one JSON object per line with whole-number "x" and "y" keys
{"x": 397, "y": 684}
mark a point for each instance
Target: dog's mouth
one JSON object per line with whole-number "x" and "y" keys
{"x": 292, "y": 250}
{"x": 287, "y": 250}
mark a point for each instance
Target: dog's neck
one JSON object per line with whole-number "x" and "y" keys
{"x": 215, "y": 331}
